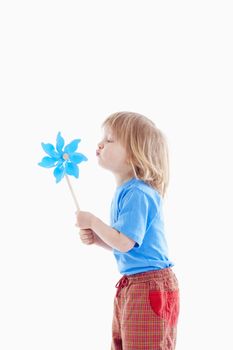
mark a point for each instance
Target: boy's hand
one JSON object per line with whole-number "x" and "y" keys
{"x": 84, "y": 219}
{"x": 87, "y": 236}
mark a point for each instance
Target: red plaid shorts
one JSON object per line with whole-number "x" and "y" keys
{"x": 146, "y": 309}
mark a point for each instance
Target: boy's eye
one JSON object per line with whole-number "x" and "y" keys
{"x": 108, "y": 139}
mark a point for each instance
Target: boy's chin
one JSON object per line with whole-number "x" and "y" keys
{"x": 102, "y": 165}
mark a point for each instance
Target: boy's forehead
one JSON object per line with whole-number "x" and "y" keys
{"x": 108, "y": 131}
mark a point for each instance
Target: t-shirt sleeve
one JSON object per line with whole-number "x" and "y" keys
{"x": 133, "y": 215}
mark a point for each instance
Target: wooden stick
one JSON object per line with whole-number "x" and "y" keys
{"x": 72, "y": 192}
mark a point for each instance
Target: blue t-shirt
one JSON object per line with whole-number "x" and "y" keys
{"x": 136, "y": 211}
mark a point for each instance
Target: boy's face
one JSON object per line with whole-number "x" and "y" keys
{"x": 111, "y": 154}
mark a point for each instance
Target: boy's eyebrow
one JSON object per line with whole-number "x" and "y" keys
{"x": 108, "y": 134}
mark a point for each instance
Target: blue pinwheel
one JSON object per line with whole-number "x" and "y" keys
{"x": 64, "y": 159}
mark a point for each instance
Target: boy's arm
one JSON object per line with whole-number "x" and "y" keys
{"x": 110, "y": 236}
{"x": 98, "y": 241}
{"x": 89, "y": 237}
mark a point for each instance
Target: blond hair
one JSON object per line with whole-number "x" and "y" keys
{"x": 145, "y": 145}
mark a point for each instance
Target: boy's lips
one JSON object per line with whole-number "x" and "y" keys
{"x": 97, "y": 153}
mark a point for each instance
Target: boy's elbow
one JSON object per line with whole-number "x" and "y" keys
{"x": 125, "y": 249}
{"x": 126, "y": 245}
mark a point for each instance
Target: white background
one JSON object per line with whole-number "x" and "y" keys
{"x": 65, "y": 66}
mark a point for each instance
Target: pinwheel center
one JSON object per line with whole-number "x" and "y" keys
{"x": 65, "y": 156}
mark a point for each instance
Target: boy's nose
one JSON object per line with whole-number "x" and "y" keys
{"x": 100, "y": 145}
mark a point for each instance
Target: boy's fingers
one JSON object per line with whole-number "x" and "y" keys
{"x": 88, "y": 241}
{"x": 87, "y": 230}
{"x": 87, "y": 233}
{"x": 86, "y": 236}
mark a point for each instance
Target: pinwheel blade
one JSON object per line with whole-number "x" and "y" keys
{"x": 48, "y": 162}
{"x": 59, "y": 143}
{"x": 72, "y": 146}
{"x": 78, "y": 158}
{"x": 59, "y": 173}
{"x": 50, "y": 150}
{"x": 72, "y": 169}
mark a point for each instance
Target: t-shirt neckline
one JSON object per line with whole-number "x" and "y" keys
{"x": 126, "y": 183}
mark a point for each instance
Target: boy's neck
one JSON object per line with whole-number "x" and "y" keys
{"x": 122, "y": 179}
